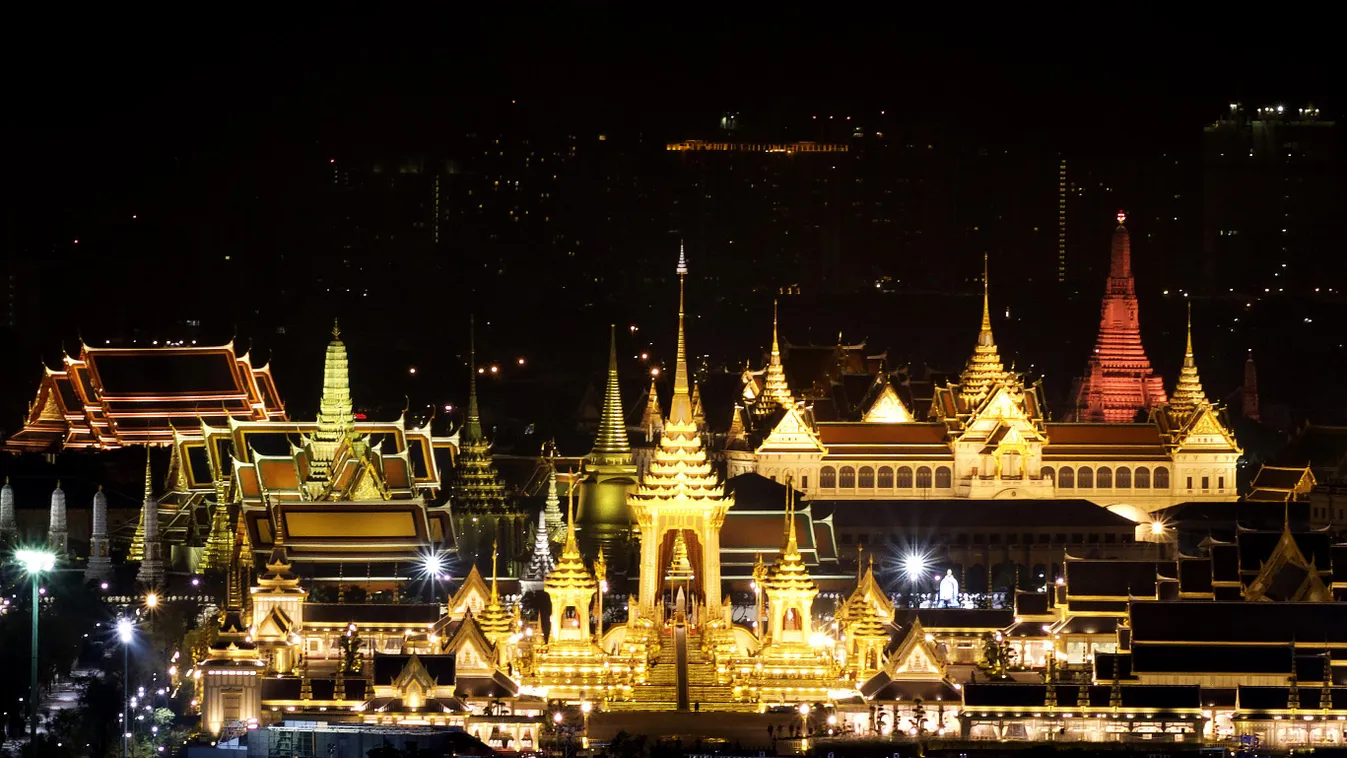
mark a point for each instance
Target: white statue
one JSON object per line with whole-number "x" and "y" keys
{"x": 949, "y": 590}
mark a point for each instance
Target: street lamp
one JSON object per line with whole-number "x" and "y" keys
{"x": 125, "y": 632}
{"x": 804, "y": 722}
{"x": 152, "y": 600}
{"x": 35, "y": 563}
{"x": 556, "y": 730}
{"x": 585, "y": 708}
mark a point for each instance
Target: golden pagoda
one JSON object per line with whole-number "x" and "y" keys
{"x": 608, "y": 473}
{"x": 336, "y": 416}
{"x": 680, "y": 492}
{"x": 984, "y": 368}
{"x": 1188, "y": 395}
{"x": 137, "y": 550}
{"x": 863, "y": 624}
{"x": 571, "y": 665}
{"x": 230, "y": 687}
{"x": 278, "y": 610}
{"x": 795, "y": 663}
{"x": 495, "y": 621}
{"x": 775, "y": 389}
{"x": 480, "y": 502}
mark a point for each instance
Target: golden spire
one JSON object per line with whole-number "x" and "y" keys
{"x": 984, "y": 368}
{"x": 680, "y": 568}
{"x": 336, "y": 417}
{"x": 652, "y": 420}
{"x": 790, "y": 573}
{"x": 680, "y": 412}
{"x": 570, "y": 571}
{"x": 775, "y": 386}
{"x": 495, "y": 550}
{"x": 472, "y": 428}
{"x": 137, "y": 550}
{"x": 1188, "y": 394}
{"x": 336, "y": 329}
{"x": 792, "y": 545}
{"x": 611, "y": 448}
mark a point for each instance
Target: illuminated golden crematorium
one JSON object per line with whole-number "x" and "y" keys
{"x": 739, "y": 600}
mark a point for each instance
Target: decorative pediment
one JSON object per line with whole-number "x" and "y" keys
{"x": 888, "y": 409}
{"x": 414, "y": 678}
{"x": 472, "y": 651}
{"x": 277, "y": 623}
{"x": 1206, "y": 430}
{"x": 916, "y": 657}
{"x": 793, "y": 433}
{"x": 471, "y": 597}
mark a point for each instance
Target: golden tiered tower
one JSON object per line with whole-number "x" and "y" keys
{"x": 794, "y": 664}
{"x": 863, "y": 620}
{"x": 680, "y": 492}
{"x": 775, "y": 389}
{"x": 482, "y": 509}
{"x": 984, "y": 367}
{"x": 652, "y": 420}
{"x": 1188, "y": 395}
{"x": 608, "y": 473}
{"x": 336, "y": 417}
{"x": 571, "y": 665}
{"x": 494, "y": 620}
{"x": 137, "y": 550}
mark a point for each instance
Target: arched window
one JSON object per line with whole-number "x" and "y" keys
{"x": 1066, "y": 477}
{"x": 1105, "y": 480}
{"x": 1161, "y": 478}
{"x": 1085, "y": 477}
{"x": 904, "y": 478}
{"x": 1047, "y": 473}
{"x": 924, "y": 477}
{"x": 942, "y": 477}
{"x": 885, "y": 477}
{"x": 848, "y": 478}
{"x": 1124, "y": 478}
{"x": 827, "y": 478}
{"x": 867, "y": 477}
{"x": 1143, "y": 478}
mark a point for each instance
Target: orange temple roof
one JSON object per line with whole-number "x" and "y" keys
{"x": 110, "y": 398}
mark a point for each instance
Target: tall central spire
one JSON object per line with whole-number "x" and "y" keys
{"x": 680, "y": 412}
{"x": 1188, "y": 394}
{"x": 984, "y": 367}
{"x": 775, "y": 386}
{"x": 336, "y": 419}
{"x": 477, "y": 489}
{"x": 611, "y": 448}
{"x": 472, "y": 429}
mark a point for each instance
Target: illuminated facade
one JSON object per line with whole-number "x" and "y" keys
{"x": 987, "y": 436}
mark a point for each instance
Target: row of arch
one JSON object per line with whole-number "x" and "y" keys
{"x": 886, "y": 477}
{"x": 1106, "y": 478}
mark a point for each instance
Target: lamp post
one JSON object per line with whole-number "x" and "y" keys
{"x": 585, "y": 708}
{"x": 804, "y": 723}
{"x": 556, "y": 731}
{"x": 35, "y": 563}
{"x": 125, "y": 633}
{"x": 432, "y": 565}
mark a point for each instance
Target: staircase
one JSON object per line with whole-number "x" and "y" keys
{"x": 682, "y": 679}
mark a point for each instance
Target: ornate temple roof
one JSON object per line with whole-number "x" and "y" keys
{"x": 109, "y": 398}
{"x": 984, "y": 367}
{"x": 789, "y": 574}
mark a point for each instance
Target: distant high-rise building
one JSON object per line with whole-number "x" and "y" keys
{"x": 1272, "y": 201}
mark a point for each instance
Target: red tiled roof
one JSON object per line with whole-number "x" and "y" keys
{"x": 861, "y": 433}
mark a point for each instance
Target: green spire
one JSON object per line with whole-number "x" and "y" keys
{"x": 611, "y": 448}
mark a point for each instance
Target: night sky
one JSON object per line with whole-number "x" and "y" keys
{"x": 151, "y": 138}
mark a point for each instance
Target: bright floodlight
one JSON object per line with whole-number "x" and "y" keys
{"x": 36, "y": 561}
{"x": 1157, "y": 527}
{"x": 804, "y": 709}
{"x": 914, "y": 566}
{"x": 434, "y": 565}
{"x": 125, "y": 631}
{"x": 152, "y": 600}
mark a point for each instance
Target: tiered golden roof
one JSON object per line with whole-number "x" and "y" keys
{"x": 478, "y": 488}
{"x": 680, "y": 568}
{"x": 775, "y": 388}
{"x": 984, "y": 367}
{"x": 1188, "y": 395}
{"x": 652, "y": 421}
{"x": 495, "y": 621}
{"x": 790, "y": 575}
{"x": 570, "y": 572}
{"x": 336, "y": 418}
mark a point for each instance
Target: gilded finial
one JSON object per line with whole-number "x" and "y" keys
{"x": 682, "y": 260}
{"x": 986, "y": 307}
{"x": 1188, "y": 354}
{"x": 495, "y": 548}
{"x": 336, "y": 329}
{"x": 1122, "y": 216}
